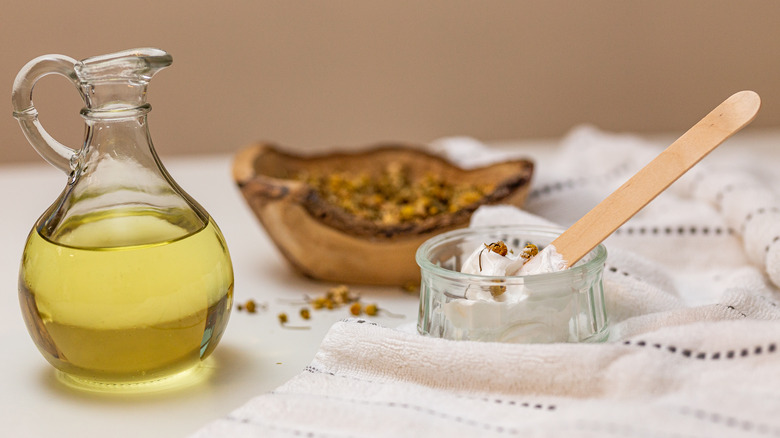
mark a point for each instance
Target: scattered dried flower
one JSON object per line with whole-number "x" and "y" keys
{"x": 371, "y": 309}
{"x": 411, "y": 287}
{"x": 251, "y": 306}
{"x": 283, "y": 321}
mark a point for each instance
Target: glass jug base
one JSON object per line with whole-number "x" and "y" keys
{"x": 183, "y": 379}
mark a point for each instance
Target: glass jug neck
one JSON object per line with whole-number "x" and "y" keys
{"x": 120, "y": 137}
{"x": 115, "y": 84}
{"x": 114, "y": 99}
{"x": 115, "y": 112}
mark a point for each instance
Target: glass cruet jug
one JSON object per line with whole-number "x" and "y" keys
{"x": 125, "y": 281}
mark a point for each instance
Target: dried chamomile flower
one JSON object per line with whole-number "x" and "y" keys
{"x": 497, "y": 290}
{"x": 283, "y": 319}
{"x": 318, "y": 303}
{"x": 529, "y": 251}
{"x": 340, "y": 295}
{"x": 394, "y": 195}
{"x": 334, "y": 297}
{"x": 499, "y": 248}
{"x": 411, "y": 287}
{"x": 250, "y": 306}
{"x": 371, "y": 309}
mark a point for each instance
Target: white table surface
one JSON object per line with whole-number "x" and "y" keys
{"x": 255, "y": 354}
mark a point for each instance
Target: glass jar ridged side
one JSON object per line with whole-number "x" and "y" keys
{"x": 564, "y": 306}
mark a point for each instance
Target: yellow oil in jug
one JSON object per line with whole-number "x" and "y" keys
{"x": 126, "y": 299}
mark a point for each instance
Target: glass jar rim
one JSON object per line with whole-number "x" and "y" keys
{"x": 594, "y": 261}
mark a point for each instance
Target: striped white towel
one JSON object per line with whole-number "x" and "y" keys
{"x": 692, "y": 295}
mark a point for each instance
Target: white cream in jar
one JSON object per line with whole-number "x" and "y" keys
{"x": 493, "y": 307}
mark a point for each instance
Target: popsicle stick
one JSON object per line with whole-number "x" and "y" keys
{"x": 726, "y": 119}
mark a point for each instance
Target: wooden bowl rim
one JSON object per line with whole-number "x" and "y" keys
{"x": 245, "y": 175}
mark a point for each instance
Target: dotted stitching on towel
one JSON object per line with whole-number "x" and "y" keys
{"x": 287, "y": 430}
{"x": 626, "y": 430}
{"x": 732, "y": 308}
{"x": 769, "y": 245}
{"x": 557, "y": 187}
{"x": 573, "y": 183}
{"x": 719, "y": 196}
{"x": 729, "y": 421}
{"x": 498, "y": 401}
{"x": 717, "y": 355}
{"x": 360, "y": 321}
{"x": 414, "y": 408}
{"x": 674, "y": 230}
{"x": 767, "y": 300}
{"x": 622, "y": 430}
{"x": 616, "y": 270}
{"x": 508, "y": 402}
{"x": 314, "y": 370}
{"x": 753, "y": 214}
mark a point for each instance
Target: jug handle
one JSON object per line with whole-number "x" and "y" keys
{"x": 56, "y": 153}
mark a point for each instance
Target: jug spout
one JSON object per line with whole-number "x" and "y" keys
{"x": 118, "y": 81}
{"x": 112, "y": 86}
{"x": 134, "y": 64}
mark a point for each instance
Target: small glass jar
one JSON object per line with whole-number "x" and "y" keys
{"x": 564, "y": 306}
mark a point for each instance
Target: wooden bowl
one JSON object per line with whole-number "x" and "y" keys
{"x": 325, "y": 242}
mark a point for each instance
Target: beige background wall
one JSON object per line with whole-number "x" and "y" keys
{"x": 348, "y": 72}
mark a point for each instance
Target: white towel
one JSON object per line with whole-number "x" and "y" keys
{"x": 691, "y": 291}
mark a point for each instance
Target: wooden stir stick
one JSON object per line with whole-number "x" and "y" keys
{"x": 726, "y": 119}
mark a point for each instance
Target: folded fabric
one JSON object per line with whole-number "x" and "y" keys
{"x": 702, "y": 379}
{"x": 691, "y": 292}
